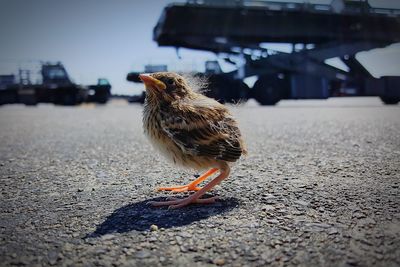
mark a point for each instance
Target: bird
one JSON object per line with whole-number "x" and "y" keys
{"x": 192, "y": 131}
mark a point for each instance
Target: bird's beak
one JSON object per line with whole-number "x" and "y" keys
{"x": 152, "y": 82}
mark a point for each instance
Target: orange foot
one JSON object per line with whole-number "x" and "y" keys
{"x": 174, "y": 203}
{"x": 190, "y": 187}
{"x": 196, "y": 197}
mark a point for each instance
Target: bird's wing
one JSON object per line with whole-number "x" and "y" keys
{"x": 203, "y": 127}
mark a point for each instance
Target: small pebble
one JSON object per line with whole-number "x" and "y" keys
{"x": 219, "y": 262}
{"x": 153, "y": 228}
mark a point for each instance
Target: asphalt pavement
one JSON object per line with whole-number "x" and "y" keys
{"x": 320, "y": 187}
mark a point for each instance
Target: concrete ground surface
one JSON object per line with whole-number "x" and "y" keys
{"x": 320, "y": 187}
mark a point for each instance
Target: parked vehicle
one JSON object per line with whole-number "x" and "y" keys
{"x": 54, "y": 86}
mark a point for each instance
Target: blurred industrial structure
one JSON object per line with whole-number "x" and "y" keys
{"x": 239, "y": 31}
{"x": 53, "y": 85}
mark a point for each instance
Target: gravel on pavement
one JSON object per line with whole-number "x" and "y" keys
{"x": 320, "y": 187}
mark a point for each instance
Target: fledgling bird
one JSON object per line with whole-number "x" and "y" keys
{"x": 190, "y": 129}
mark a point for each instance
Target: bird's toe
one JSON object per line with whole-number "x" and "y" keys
{"x": 179, "y": 189}
{"x": 174, "y": 203}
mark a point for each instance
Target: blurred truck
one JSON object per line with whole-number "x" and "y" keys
{"x": 53, "y": 86}
{"x": 100, "y": 92}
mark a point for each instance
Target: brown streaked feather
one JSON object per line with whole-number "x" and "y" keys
{"x": 203, "y": 127}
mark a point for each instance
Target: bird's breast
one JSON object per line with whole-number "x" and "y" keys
{"x": 158, "y": 138}
{"x": 163, "y": 143}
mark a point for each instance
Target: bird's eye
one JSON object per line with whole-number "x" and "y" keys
{"x": 170, "y": 81}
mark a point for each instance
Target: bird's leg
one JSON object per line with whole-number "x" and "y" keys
{"x": 195, "y": 198}
{"x": 192, "y": 186}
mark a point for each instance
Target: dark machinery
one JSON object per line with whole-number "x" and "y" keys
{"x": 239, "y": 30}
{"x": 8, "y": 89}
{"x": 100, "y": 92}
{"x": 54, "y": 86}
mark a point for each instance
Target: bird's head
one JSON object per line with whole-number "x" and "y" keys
{"x": 165, "y": 86}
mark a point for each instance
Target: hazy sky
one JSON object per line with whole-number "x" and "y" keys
{"x": 98, "y": 38}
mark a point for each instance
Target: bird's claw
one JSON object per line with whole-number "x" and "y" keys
{"x": 179, "y": 189}
{"x": 179, "y": 203}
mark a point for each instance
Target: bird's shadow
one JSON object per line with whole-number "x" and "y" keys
{"x": 140, "y": 216}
